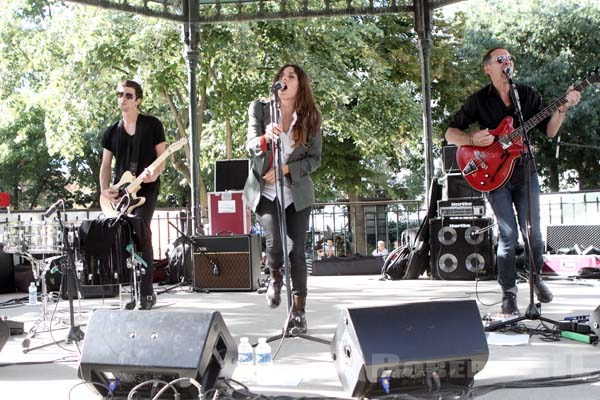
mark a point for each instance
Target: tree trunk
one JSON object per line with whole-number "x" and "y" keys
{"x": 228, "y": 139}
{"x": 357, "y": 224}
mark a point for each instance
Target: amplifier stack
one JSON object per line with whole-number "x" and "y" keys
{"x": 461, "y": 235}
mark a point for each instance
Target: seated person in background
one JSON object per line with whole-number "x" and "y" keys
{"x": 329, "y": 249}
{"x": 380, "y": 250}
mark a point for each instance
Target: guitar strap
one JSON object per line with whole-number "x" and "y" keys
{"x": 136, "y": 144}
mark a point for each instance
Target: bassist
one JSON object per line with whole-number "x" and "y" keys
{"x": 135, "y": 142}
{"x": 487, "y": 108}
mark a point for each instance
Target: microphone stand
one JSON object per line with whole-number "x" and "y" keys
{"x": 275, "y": 111}
{"x": 533, "y": 311}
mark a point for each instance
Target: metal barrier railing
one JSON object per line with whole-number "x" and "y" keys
{"x": 353, "y": 227}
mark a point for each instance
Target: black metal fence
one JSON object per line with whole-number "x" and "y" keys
{"x": 350, "y": 227}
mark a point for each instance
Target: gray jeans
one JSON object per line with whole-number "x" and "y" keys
{"x": 296, "y": 225}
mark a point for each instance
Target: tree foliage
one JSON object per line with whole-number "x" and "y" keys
{"x": 60, "y": 62}
{"x": 555, "y": 43}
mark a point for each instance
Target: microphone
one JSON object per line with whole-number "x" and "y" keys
{"x": 279, "y": 85}
{"x": 52, "y": 208}
{"x": 508, "y": 71}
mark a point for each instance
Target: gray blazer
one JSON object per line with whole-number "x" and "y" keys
{"x": 302, "y": 162}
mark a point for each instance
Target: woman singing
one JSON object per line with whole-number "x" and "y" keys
{"x": 299, "y": 135}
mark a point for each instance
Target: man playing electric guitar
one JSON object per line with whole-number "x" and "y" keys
{"x": 135, "y": 142}
{"x": 488, "y": 107}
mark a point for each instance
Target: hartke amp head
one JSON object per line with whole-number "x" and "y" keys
{"x": 123, "y": 349}
{"x": 409, "y": 344}
{"x": 461, "y": 249}
{"x": 226, "y": 262}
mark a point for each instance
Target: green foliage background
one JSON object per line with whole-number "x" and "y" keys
{"x": 59, "y": 64}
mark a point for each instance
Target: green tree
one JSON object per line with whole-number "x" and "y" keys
{"x": 554, "y": 43}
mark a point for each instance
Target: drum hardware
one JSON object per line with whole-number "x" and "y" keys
{"x": 69, "y": 243}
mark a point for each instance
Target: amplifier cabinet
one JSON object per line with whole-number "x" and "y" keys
{"x": 567, "y": 236}
{"x": 449, "y": 159}
{"x": 461, "y": 249}
{"x": 457, "y": 187}
{"x": 228, "y": 263}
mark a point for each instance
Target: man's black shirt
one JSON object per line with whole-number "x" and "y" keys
{"x": 120, "y": 144}
{"x": 486, "y": 108}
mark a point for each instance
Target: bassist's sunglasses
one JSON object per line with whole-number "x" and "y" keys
{"x": 128, "y": 96}
{"x": 503, "y": 59}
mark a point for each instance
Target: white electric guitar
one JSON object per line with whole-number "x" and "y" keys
{"x": 128, "y": 185}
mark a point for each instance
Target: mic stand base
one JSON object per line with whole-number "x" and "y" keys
{"x": 532, "y": 314}
{"x": 75, "y": 335}
{"x": 300, "y": 335}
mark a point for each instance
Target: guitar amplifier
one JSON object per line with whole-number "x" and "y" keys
{"x": 462, "y": 207}
{"x": 461, "y": 249}
{"x": 228, "y": 263}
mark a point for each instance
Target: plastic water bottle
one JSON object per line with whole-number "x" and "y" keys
{"x": 32, "y": 294}
{"x": 264, "y": 358}
{"x": 245, "y": 364}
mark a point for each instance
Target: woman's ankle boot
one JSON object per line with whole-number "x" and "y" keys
{"x": 297, "y": 324}
{"x": 274, "y": 288}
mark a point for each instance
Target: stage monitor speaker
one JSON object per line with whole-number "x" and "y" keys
{"x": 460, "y": 248}
{"x": 231, "y": 174}
{"x": 457, "y": 187}
{"x": 409, "y": 344}
{"x": 123, "y": 349}
{"x": 227, "y": 262}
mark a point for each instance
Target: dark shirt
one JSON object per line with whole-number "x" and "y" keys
{"x": 486, "y": 108}
{"x": 120, "y": 143}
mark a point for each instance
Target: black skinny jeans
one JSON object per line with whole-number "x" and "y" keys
{"x": 296, "y": 225}
{"x": 145, "y": 212}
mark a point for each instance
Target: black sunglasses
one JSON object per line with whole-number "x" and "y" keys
{"x": 502, "y": 59}
{"x": 128, "y": 96}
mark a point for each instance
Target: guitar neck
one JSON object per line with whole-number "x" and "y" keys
{"x": 551, "y": 109}
{"x": 137, "y": 182}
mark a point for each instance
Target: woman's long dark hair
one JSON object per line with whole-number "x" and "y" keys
{"x": 308, "y": 115}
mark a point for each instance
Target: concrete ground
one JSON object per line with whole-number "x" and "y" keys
{"x": 304, "y": 367}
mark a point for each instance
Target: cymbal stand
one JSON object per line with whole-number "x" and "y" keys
{"x": 42, "y": 323}
{"x": 75, "y": 333}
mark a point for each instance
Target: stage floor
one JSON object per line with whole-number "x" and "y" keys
{"x": 304, "y": 368}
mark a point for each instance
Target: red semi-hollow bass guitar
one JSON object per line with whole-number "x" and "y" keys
{"x": 488, "y": 168}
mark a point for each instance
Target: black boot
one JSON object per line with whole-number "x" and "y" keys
{"x": 544, "y": 295}
{"x": 146, "y": 303}
{"x": 274, "y": 288}
{"x": 297, "y": 324}
{"x": 509, "y": 304}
